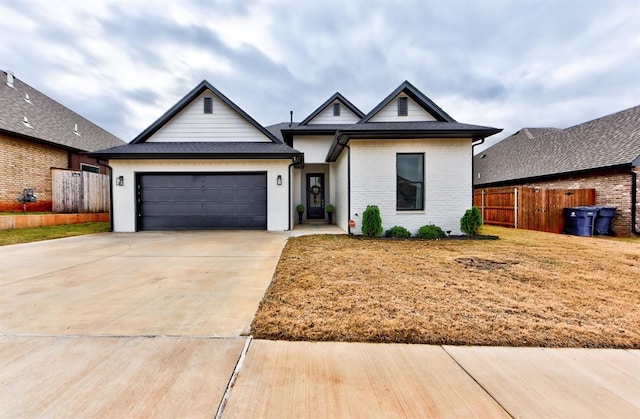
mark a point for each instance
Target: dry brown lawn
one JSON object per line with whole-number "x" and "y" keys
{"x": 526, "y": 289}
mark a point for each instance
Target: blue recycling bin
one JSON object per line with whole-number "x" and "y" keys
{"x": 603, "y": 220}
{"x": 579, "y": 221}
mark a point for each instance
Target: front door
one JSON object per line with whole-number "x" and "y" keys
{"x": 315, "y": 196}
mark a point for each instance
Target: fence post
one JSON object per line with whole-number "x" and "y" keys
{"x": 482, "y": 206}
{"x": 515, "y": 207}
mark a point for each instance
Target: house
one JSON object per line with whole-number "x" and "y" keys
{"x": 206, "y": 164}
{"x": 603, "y": 154}
{"x": 38, "y": 134}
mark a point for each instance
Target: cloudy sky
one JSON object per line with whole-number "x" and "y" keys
{"x": 502, "y": 63}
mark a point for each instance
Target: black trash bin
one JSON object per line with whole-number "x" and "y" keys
{"x": 579, "y": 221}
{"x": 602, "y": 224}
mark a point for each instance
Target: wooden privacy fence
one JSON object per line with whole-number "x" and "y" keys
{"x": 76, "y": 191}
{"x": 529, "y": 208}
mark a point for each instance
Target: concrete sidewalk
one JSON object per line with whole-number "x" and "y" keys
{"x": 353, "y": 380}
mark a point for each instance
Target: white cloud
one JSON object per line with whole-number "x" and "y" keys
{"x": 500, "y": 63}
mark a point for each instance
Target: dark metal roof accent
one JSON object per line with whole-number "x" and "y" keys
{"x": 415, "y": 94}
{"x": 198, "y": 150}
{"x": 405, "y": 130}
{"x": 49, "y": 122}
{"x": 606, "y": 142}
{"x": 185, "y": 101}
{"x": 336, "y": 96}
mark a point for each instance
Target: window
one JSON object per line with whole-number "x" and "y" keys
{"x": 410, "y": 182}
{"x": 403, "y": 109}
{"x": 336, "y": 109}
{"x": 89, "y": 168}
{"x": 208, "y": 105}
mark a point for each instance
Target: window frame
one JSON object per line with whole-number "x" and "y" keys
{"x": 208, "y": 105}
{"x": 420, "y": 205}
{"x": 403, "y": 106}
{"x": 93, "y": 169}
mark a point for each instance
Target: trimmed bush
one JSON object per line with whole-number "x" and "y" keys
{"x": 398, "y": 232}
{"x": 431, "y": 232}
{"x": 300, "y": 208}
{"x": 371, "y": 221}
{"x": 471, "y": 221}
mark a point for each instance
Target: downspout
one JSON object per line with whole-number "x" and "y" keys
{"x": 290, "y": 192}
{"x": 473, "y": 146}
{"x": 294, "y": 162}
{"x": 634, "y": 201}
{"x": 110, "y": 169}
{"x": 348, "y": 184}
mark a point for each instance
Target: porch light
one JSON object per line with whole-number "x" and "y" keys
{"x": 120, "y": 181}
{"x": 279, "y": 180}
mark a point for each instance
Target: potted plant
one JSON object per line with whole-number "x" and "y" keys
{"x": 300, "y": 209}
{"x": 330, "y": 209}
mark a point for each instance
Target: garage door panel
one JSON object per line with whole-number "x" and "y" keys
{"x": 203, "y": 201}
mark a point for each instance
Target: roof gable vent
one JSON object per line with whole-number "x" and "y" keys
{"x": 10, "y": 79}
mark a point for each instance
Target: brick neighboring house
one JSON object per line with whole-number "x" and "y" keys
{"x": 38, "y": 134}
{"x": 603, "y": 154}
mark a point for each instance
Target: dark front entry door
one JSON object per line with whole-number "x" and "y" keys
{"x": 315, "y": 196}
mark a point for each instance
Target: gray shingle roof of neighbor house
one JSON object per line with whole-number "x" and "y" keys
{"x": 606, "y": 142}
{"x": 30, "y": 114}
{"x": 182, "y": 103}
{"x": 198, "y": 150}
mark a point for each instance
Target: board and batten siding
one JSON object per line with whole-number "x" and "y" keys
{"x": 447, "y": 182}
{"x": 390, "y": 112}
{"x": 224, "y": 124}
{"x": 326, "y": 116}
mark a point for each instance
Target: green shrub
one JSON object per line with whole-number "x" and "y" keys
{"x": 300, "y": 208}
{"x": 330, "y": 208}
{"x": 431, "y": 232}
{"x": 398, "y": 232}
{"x": 471, "y": 221}
{"x": 371, "y": 221}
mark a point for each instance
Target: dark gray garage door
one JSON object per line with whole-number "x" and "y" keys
{"x": 202, "y": 201}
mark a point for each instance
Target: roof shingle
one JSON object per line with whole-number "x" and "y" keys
{"x": 609, "y": 141}
{"x": 48, "y": 120}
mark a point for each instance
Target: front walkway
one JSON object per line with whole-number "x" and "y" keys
{"x": 315, "y": 227}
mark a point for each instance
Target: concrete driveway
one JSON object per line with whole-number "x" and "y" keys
{"x": 122, "y": 325}
{"x": 153, "y": 325}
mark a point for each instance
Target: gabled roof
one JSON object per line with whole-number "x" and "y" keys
{"x": 336, "y": 96}
{"x": 415, "y": 94}
{"x": 48, "y": 121}
{"x": 606, "y": 142}
{"x": 199, "y": 150}
{"x": 185, "y": 101}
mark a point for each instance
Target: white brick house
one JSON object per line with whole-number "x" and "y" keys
{"x": 407, "y": 156}
{"x": 206, "y": 164}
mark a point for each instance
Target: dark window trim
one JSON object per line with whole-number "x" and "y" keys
{"x": 89, "y": 168}
{"x": 403, "y": 106}
{"x": 208, "y": 105}
{"x": 422, "y": 206}
{"x": 336, "y": 109}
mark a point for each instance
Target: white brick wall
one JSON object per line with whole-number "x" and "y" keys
{"x": 448, "y": 189}
{"x": 124, "y": 197}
